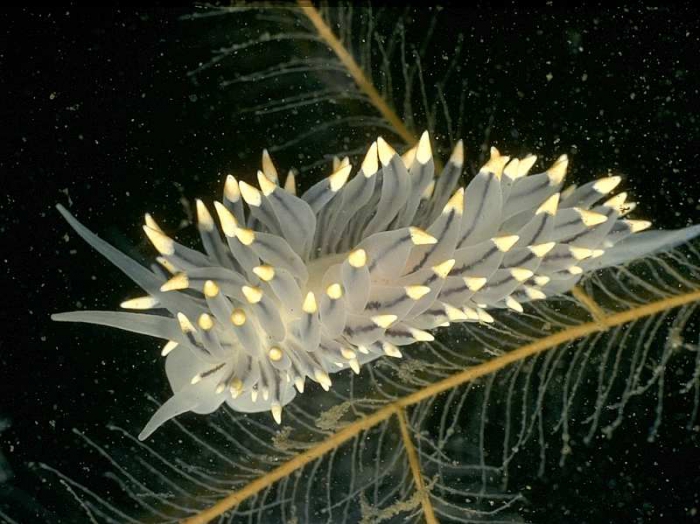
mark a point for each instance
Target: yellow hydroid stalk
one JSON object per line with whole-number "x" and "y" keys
{"x": 468, "y": 375}
{"x": 356, "y": 72}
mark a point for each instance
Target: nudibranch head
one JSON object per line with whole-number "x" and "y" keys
{"x": 293, "y": 287}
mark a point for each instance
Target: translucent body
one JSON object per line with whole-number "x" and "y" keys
{"x": 302, "y": 287}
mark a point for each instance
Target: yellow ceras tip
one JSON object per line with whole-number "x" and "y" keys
{"x": 276, "y": 410}
{"x": 347, "y": 353}
{"x": 211, "y": 289}
{"x": 420, "y": 335}
{"x": 409, "y": 156}
{"x": 385, "y": 151}
{"x": 358, "y": 258}
{"x": 164, "y": 244}
{"x": 236, "y": 388}
{"x": 511, "y": 169}
{"x": 231, "y": 191}
{"x": 456, "y": 202}
{"x": 238, "y": 317}
{"x": 505, "y": 243}
{"x": 443, "y": 269}
{"x": 265, "y": 273}
{"x": 370, "y": 165}
{"x": 475, "y": 283}
{"x": 245, "y": 236}
{"x": 337, "y": 180}
{"x": 268, "y": 167}
{"x": 540, "y": 250}
{"x": 266, "y": 186}
{"x": 607, "y": 184}
{"x": 170, "y": 346}
{"x": 514, "y": 304}
{"x": 420, "y": 237}
{"x": 550, "y": 205}
{"x": 591, "y": 218}
{"x": 424, "y": 153}
{"x": 580, "y": 253}
{"x": 323, "y": 379}
{"x": 526, "y": 164}
{"x": 496, "y": 163}
{"x": 309, "y": 305}
{"x": 204, "y": 220}
{"x": 454, "y": 314}
{"x": 637, "y": 225}
{"x": 252, "y": 294}
{"x": 384, "y": 321}
{"x": 290, "y": 185}
{"x": 484, "y": 316}
{"x": 334, "y": 291}
{"x": 150, "y": 222}
{"x": 457, "y": 157}
{"x": 616, "y": 201}
{"x": 229, "y": 224}
{"x": 140, "y": 303}
{"x": 534, "y": 293}
{"x": 354, "y": 365}
{"x": 251, "y": 195}
{"x": 205, "y": 321}
{"x": 521, "y": 274}
{"x": 557, "y": 171}
{"x": 391, "y": 350}
{"x": 541, "y": 280}
{"x": 275, "y": 354}
{"x": 470, "y": 313}
{"x": 416, "y": 292}
{"x": 176, "y": 283}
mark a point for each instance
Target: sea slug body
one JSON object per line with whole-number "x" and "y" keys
{"x": 295, "y": 287}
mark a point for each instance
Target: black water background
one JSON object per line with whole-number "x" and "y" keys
{"x": 98, "y": 113}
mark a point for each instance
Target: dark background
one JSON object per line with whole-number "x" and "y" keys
{"x": 99, "y": 114}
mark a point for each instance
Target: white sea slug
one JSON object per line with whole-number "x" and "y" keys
{"x": 355, "y": 268}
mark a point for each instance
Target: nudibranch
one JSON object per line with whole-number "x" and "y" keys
{"x": 355, "y": 268}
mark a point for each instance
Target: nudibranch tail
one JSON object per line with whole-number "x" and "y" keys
{"x": 290, "y": 287}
